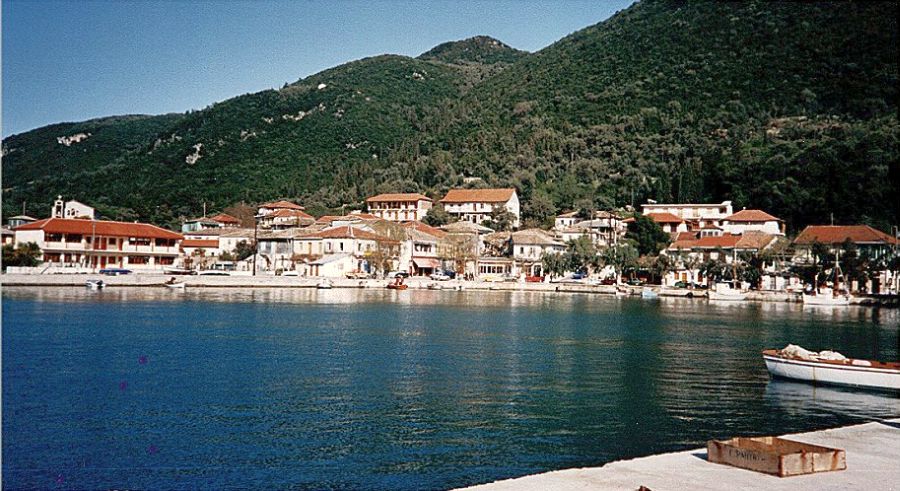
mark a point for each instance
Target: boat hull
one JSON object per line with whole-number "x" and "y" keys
{"x": 175, "y": 286}
{"x": 833, "y": 374}
{"x": 727, "y": 297}
{"x": 826, "y": 300}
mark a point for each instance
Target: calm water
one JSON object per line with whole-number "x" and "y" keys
{"x": 141, "y": 389}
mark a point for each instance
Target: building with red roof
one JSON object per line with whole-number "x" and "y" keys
{"x": 476, "y": 205}
{"x": 399, "y": 207}
{"x": 869, "y": 241}
{"x": 101, "y": 244}
{"x": 756, "y": 220}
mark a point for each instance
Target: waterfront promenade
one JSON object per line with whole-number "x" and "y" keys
{"x": 272, "y": 281}
{"x": 873, "y": 462}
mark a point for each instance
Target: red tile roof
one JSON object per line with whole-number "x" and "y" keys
{"x": 752, "y": 216}
{"x": 348, "y": 232}
{"x": 664, "y": 217}
{"x": 424, "y": 227}
{"x": 224, "y": 218}
{"x": 100, "y": 227}
{"x": 399, "y": 197}
{"x": 209, "y": 244}
{"x": 837, "y": 234}
{"x": 687, "y": 240}
{"x": 478, "y": 195}
{"x": 281, "y": 204}
{"x": 285, "y": 213}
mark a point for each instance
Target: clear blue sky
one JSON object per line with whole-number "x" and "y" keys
{"x": 76, "y": 60}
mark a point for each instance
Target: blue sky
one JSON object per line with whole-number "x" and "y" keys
{"x": 76, "y": 60}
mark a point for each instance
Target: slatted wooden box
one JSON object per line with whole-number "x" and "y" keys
{"x": 777, "y": 456}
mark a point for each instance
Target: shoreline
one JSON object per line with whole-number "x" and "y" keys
{"x": 415, "y": 283}
{"x": 873, "y": 450}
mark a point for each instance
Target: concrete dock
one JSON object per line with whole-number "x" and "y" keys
{"x": 873, "y": 463}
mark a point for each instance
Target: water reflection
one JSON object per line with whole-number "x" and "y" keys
{"x": 800, "y": 398}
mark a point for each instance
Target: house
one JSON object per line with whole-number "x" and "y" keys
{"x": 399, "y": 207}
{"x": 196, "y": 224}
{"x": 462, "y": 246}
{"x": 98, "y": 244}
{"x": 200, "y": 253}
{"x": 370, "y": 251}
{"x": 870, "y": 241}
{"x": 476, "y": 205}
{"x": 284, "y": 218}
{"x": 669, "y": 222}
{"x": 330, "y": 266}
{"x": 19, "y": 220}
{"x": 225, "y": 220}
{"x": 566, "y": 220}
{"x": 273, "y": 206}
{"x": 752, "y": 220}
{"x": 528, "y": 249}
{"x": 694, "y": 215}
{"x": 604, "y": 230}
{"x": 71, "y": 209}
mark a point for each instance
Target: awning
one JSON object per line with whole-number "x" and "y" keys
{"x": 426, "y": 263}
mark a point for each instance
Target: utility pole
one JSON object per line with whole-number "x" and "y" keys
{"x": 255, "y": 242}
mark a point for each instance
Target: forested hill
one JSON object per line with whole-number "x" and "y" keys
{"x": 787, "y": 107}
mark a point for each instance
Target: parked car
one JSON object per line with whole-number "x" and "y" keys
{"x": 680, "y": 284}
{"x": 510, "y": 278}
{"x": 608, "y": 281}
{"x": 440, "y": 277}
{"x": 635, "y": 282}
{"x": 579, "y": 276}
{"x": 213, "y": 273}
{"x": 450, "y": 273}
{"x": 534, "y": 279}
{"x": 115, "y": 271}
{"x": 357, "y": 275}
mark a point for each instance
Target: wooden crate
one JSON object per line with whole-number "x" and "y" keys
{"x": 777, "y": 456}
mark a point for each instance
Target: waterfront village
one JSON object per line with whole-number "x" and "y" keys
{"x": 470, "y": 234}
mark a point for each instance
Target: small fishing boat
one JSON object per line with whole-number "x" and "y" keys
{"x": 176, "y": 286}
{"x": 829, "y": 367}
{"x": 94, "y": 284}
{"x": 397, "y": 286}
{"x": 325, "y": 285}
{"x": 726, "y": 293}
{"x": 826, "y": 297}
{"x": 649, "y": 293}
{"x": 435, "y": 286}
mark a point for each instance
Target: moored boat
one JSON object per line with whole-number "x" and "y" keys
{"x": 828, "y": 367}
{"x": 724, "y": 292}
{"x": 826, "y": 297}
{"x": 648, "y": 293}
{"x": 176, "y": 286}
{"x": 324, "y": 285}
{"x": 435, "y": 286}
{"x": 94, "y": 284}
{"x": 397, "y": 286}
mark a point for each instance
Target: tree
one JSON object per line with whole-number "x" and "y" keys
{"x": 621, "y": 257}
{"x": 437, "y": 216}
{"x": 460, "y": 249}
{"x": 25, "y": 254}
{"x": 501, "y": 219}
{"x": 648, "y": 235}
{"x": 659, "y": 266}
{"x": 554, "y": 264}
{"x": 540, "y": 210}
{"x": 244, "y": 249}
{"x": 581, "y": 255}
{"x": 585, "y": 208}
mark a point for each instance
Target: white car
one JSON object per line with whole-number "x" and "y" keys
{"x": 439, "y": 277}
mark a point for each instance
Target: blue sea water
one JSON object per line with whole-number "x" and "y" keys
{"x": 370, "y": 389}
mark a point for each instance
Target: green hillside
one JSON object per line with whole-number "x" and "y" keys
{"x": 787, "y": 107}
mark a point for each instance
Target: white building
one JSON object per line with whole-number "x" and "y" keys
{"x": 71, "y": 209}
{"x": 566, "y": 220}
{"x": 693, "y": 214}
{"x": 529, "y": 247}
{"x": 476, "y": 205}
{"x": 752, "y": 220}
{"x": 399, "y": 207}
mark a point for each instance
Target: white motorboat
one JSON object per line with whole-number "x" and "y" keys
{"x": 176, "y": 286}
{"x": 648, "y": 293}
{"x": 94, "y": 284}
{"x": 828, "y": 367}
{"x": 725, "y": 292}
{"x": 325, "y": 285}
{"x": 826, "y": 297}
{"x": 435, "y": 286}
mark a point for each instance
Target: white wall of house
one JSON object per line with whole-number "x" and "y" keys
{"x": 400, "y": 211}
{"x": 771, "y": 227}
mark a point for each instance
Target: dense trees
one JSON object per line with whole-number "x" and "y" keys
{"x": 26, "y": 254}
{"x": 647, "y": 235}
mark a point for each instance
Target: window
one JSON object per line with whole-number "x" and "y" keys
{"x": 53, "y": 237}
{"x": 138, "y": 260}
{"x": 165, "y": 261}
{"x": 139, "y": 241}
{"x": 342, "y": 245}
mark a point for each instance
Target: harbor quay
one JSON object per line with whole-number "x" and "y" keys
{"x": 872, "y": 450}
{"x": 414, "y": 283}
